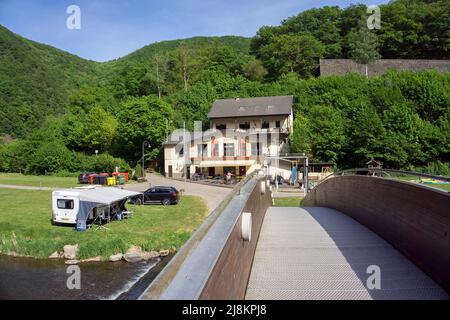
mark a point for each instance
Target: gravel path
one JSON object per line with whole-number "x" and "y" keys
{"x": 12, "y": 186}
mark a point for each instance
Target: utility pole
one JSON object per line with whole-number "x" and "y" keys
{"x": 145, "y": 144}
{"x": 185, "y": 153}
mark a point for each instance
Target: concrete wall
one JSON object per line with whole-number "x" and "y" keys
{"x": 413, "y": 218}
{"x": 343, "y": 66}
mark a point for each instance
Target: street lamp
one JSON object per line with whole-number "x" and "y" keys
{"x": 145, "y": 144}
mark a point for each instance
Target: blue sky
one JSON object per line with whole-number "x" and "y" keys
{"x": 113, "y": 28}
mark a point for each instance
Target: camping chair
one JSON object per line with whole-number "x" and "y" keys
{"x": 98, "y": 221}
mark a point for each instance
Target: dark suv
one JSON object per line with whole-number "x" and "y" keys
{"x": 163, "y": 195}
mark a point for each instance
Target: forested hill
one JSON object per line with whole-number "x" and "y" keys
{"x": 59, "y": 108}
{"x": 240, "y": 44}
{"x": 35, "y": 80}
{"x": 38, "y": 80}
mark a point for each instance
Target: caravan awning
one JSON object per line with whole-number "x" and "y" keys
{"x": 100, "y": 195}
{"x": 105, "y": 195}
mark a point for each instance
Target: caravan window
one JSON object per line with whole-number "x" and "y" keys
{"x": 65, "y": 204}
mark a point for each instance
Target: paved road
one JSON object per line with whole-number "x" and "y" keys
{"x": 211, "y": 194}
{"x": 12, "y": 186}
{"x": 320, "y": 253}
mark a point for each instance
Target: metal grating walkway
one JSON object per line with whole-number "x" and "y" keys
{"x": 320, "y": 253}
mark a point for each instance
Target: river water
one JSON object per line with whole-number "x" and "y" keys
{"x": 28, "y": 278}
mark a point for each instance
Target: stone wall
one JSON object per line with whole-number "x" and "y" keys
{"x": 343, "y": 66}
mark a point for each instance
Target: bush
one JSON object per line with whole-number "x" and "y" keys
{"x": 137, "y": 171}
{"x": 436, "y": 168}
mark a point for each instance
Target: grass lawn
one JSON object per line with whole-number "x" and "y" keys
{"x": 25, "y": 227}
{"x": 288, "y": 201}
{"x": 38, "y": 181}
{"x": 444, "y": 186}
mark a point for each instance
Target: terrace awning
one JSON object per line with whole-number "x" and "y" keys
{"x": 226, "y": 163}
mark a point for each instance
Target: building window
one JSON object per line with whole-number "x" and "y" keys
{"x": 221, "y": 126}
{"x": 277, "y": 124}
{"x": 228, "y": 149}
{"x": 265, "y": 125}
{"x": 215, "y": 149}
{"x": 256, "y": 149}
{"x": 181, "y": 152}
{"x": 244, "y": 125}
{"x": 202, "y": 150}
{"x": 242, "y": 148}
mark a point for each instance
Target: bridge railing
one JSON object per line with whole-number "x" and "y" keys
{"x": 425, "y": 179}
{"x": 215, "y": 263}
{"x": 413, "y": 217}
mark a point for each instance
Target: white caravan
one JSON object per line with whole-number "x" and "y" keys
{"x": 71, "y": 206}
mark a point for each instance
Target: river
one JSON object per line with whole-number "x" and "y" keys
{"x": 28, "y": 278}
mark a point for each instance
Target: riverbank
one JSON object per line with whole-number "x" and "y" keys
{"x": 25, "y": 228}
{"x": 46, "y": 279}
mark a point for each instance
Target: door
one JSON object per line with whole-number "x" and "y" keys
{"x": 212, "y": 171}
{"x": 242, "y": 170}
{"x": 170, "y": 171}
{"x": 150, "y": 195}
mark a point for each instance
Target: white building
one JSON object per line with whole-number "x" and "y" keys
{"x": 243, "y": 135}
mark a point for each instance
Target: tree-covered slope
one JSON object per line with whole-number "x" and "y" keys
{"x": 38, "y": 80}
{"x": 35, "y": 80}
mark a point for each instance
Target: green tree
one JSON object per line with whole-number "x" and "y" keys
{"x": 142, "y": 119}
{"x": 327, "y": 132}
{"x": 292, "y": 53}
{"x": 89, "y": 131}
{"x": 363, "y": 46}
{"x": 254, "y": 70}
{"x": 300, "y": 140}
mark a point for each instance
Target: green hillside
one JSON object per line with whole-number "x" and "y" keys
{"x": 240, "y": 44}
{"x": 38, "y": 80}
{"x": 59, "y": 108}
{"x": 35, "y": 80}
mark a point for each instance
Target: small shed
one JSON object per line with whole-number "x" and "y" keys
{"x": 373, "y": 164}
{"x": 374, "y": 167}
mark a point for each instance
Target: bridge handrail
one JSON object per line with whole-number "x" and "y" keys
{"x": 158, "y": 287}
{"x": 386, "y": 171}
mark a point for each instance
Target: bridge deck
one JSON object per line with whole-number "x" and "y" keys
{"x": 320, "y": 253}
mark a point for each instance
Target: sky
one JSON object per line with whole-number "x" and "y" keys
{"x": 113, "y": 28}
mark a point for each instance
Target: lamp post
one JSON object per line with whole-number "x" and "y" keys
{"x": 145, "y": 144}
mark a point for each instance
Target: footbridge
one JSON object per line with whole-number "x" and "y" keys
{"x": 355, "y": 237}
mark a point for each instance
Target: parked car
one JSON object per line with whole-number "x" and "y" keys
{"x": 158, "y": 194}
{"x": 198, "y": 176}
